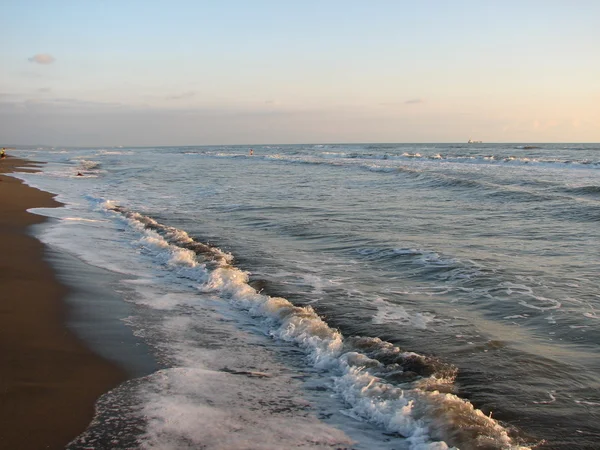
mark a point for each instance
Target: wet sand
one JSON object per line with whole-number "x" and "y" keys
{"x": 49, "y": 380}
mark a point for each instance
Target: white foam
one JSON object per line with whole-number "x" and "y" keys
{"x": 162, "y": 301}
{"x": 114, "y": 152}
{"x": 547, "y": 402}
{"x": 397, "y": 314}
{"x": 88, "y": 165}
{"x": 425, "y": 418}
{"x": 216, "y": 398}
{"x": 80, "y": 219}
{"x": 199, "y": 408}
{"x": 551, "y": 303}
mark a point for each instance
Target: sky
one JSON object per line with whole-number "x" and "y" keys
{"x": 192, "y": 72}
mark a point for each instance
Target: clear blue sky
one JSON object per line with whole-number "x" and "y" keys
{"x": 119, "y": 72}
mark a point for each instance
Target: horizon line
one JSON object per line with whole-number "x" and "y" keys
{"x": 16, "y": 146}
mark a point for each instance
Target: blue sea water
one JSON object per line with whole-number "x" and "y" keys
{"x": 375, "y": 296}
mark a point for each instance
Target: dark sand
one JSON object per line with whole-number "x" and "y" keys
{"x": 49, "y": 380}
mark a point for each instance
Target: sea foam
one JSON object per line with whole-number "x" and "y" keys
{"x": 412, "y": 406}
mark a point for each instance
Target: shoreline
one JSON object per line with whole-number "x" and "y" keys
{"x": 50, "y": 379}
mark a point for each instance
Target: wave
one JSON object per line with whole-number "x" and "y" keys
{"x": 425, "y": 170}
{"x": 85, "y": 168}
{"x": 521, "y": 160}
{"x": 328, "y": 154}
{"x": 405, "y": 393}
{"x": 578, "y": 213}
{"x": 115, "y": 152}
{"x": 442, "y": 268}
{"x": 89, "y": 166}
{"x": 487, "y": 285}
{"x": 591, "y": 190}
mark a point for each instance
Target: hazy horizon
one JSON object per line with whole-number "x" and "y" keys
{"x": 157, "y": 73}
{"x": 275, "y": 144}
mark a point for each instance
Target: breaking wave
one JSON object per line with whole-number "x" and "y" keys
{"x": 405, "y": 393}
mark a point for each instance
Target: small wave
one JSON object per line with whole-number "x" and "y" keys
{"x": 445, "y": 181}
{"x": 497, "y": 159}
{"x": 177, "y": 237}
{"x": 591, "y": 190}
{"x": 88, "y": 165}
{"x": 85, "y": 168}
{"x": 114, "y": 152}
{"x": 577, "y": 212}
{"x": 441, "y": 267}
{"x": 505, "y": 194}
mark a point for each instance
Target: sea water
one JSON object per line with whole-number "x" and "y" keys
{"x": 344, "y": 296}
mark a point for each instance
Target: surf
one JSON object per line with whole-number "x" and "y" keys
{"x": 400, "y": 391}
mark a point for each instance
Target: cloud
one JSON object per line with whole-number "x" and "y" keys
{"x": 182, "y": 96}
{"x": 57, "y": 106}
{"x": 42, "y": 58}
{"x": 412, "y": 101}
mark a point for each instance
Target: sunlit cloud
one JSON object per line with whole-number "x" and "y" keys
{"x": 42, "y": 58}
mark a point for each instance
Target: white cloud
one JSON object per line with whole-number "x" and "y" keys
{"x": 42, "y": 58}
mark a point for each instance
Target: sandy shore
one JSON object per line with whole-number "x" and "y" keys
{"x": 49, "y": 380}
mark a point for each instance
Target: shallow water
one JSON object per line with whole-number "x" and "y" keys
{"x": 357, "y": 296}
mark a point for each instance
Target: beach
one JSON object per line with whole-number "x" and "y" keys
{"x": 326, "y": 296}
{"x": 49, "y": 380}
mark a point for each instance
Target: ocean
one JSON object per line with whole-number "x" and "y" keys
{"x": 347, "y": 296}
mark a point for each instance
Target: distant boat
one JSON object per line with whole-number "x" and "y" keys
{"x": 471, "y": 141}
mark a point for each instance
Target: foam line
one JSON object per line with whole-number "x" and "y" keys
{"x": 402, "y": 392}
